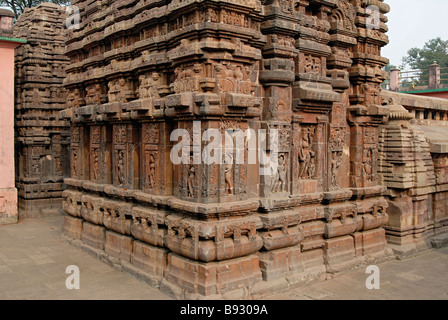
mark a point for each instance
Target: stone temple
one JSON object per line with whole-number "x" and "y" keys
{"x": 343, "y": 170}
{"x": 43, "y": 141}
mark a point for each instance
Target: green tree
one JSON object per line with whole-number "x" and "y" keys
{"x": 420, "y": 59}
{"x": 18, "y": 6}
{"x": 389, "y": 67}
{"x": 433, "y": 50}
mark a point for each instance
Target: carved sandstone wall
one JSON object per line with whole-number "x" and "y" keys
{"x": 42, "y": 140}
{"x": 309, "y": 69}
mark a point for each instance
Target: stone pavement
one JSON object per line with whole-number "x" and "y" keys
{"x": 33, "y": 260}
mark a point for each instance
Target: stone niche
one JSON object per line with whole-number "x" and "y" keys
{"x": 43, "y": 140}
{"x": 305, "y": 73}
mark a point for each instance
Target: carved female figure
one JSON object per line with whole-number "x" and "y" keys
{"x": 75, "y": 163}
{"x": 335, "y": 163}
{"x": 191, "y": 175}
{"x": 96, "y": 164}
{"x": 305, "y": 153}
{"x": 120, "y": 167}
{"x": 152, "y": 171}
{"x": 228, "y": 170}
{"x": 280, "y": 183}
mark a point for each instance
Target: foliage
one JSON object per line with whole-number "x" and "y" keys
{"x": 433, "y": 50}
{"x": 18, "y": 6}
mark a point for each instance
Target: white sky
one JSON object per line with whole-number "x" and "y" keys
{"x": 412, "y": 23}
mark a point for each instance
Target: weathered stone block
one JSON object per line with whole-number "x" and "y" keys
{"x": 214, "y": 277}
{"x": 91, "y": 209}
{"x": 313, "y": 235}
{"x": 276, "y": 239}
{"x": 357, "y": 238}
{"x": 277, "y": 264}
{"x": 147, "y": 226}
{"x": 93, "y": 235}
{"x": 149, "y": 259}
{"x": 338, "y": 227}
{"x": 118, "y": 246}
{"x": 374, "y": 221}
{"x": 339, "y": 254}
{"x": 373, "y": 241}
{"x": 400, "y": 213}
{"x": 72, "y": 227}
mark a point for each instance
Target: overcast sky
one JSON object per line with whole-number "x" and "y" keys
{"x": 412, "y": 23}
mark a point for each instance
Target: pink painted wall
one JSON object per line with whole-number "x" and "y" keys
{"x": 6, "y": 114}
{"x": 8, "y": 192}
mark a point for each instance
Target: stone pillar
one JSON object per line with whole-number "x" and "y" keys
{"x": 8, "y": 192}
{"x": 434, "y": 76}
{"x": 395, "y": 77}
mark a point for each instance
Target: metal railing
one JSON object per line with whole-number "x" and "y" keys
{"x": 414, "y": 78}
{"x": 444, "y": 75}
{"x": 434, "y": 77}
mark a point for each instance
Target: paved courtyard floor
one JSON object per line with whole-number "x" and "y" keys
{"x": 34, "y": 258}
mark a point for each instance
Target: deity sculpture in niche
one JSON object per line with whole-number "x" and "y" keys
{"x": 313, "y": 65}
{"x": 75, "y": 163}
{"x": 111, "y": 94}
{"x": 306, "y": 155}
{"x": 149, "y": 86}
{"x": 367, "y": 164}
{"x": 93, "y": 95}
{"x": 279, "y": 178}
{"x": 228, "y": 174}
{"x": 191, "y": 178}
{"x": 96, "y": 164}
{"x": 336, "y": 159}
{"x": 121, "y": 89}
{"x": 152, "y": 171}
{"x": 58, "y": 167}
{"x": 96, "y": 99}
{"x": 120, "y": 167}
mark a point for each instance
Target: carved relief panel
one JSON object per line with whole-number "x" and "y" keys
{"x": 276, "y": 168}
{"x": 94, "y": 94}
{"x": 80, "y": 164}
{"x": 370, "y": 155}
{"x": 120, "y": 90}
{"x": 149, "y": 85}
{"x": 156, "y": 168}
{"x": 233, "y": 170}
{"x": 338, "y": 150}
{"x": 100, "y": 141}
{"x": 307, "y": 158}
{"x": 233, "y": 77}
{"x": 214, "y": 168}
{"x": 126, "y": 150}
{"x": 187, "y": 78}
